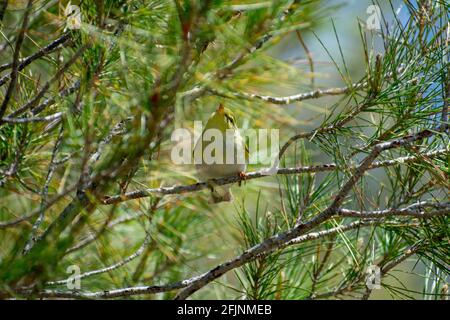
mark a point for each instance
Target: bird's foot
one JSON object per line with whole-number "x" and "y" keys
{"x": 243, "y": 176}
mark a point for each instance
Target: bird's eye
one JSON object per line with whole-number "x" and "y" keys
{"x": 229, "y": 118}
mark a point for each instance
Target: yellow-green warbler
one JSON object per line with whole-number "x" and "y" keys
{"x": 227, "y": 158}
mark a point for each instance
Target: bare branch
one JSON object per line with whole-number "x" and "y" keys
{"x": 49, "y": 118}
{"x": 108, "y": 294}
{"x": 132, "y": 291}
{"x": 308, "y": 55}
{"x": 255, "y": 175}
{"x": 290, "y": 99}
{"x": 416, "y": 210}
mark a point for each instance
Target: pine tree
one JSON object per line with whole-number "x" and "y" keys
{"x": 92, "y": 205}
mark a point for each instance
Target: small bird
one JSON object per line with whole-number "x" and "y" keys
{"x": 222, "y": 120}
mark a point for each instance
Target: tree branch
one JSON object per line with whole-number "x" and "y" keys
{"x": 308, "y": 55}
{"x": 318, "y": 93}
{"x": 174, "y": 286}
{"x": 107, "y": 294}
{"x": 49, "y": 118}
{"x": 416, "y": 210}
{"x": 255, "y": 175}
{"x": 132, "y": 291}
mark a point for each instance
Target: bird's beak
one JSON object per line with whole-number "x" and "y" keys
{"x": 221, "y": 109}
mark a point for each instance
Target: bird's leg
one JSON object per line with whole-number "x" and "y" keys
{"x": 243, "y": 176}
{"x": 124, "y": 183}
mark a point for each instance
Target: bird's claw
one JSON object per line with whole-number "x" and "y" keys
{"x": 243, "y": 176}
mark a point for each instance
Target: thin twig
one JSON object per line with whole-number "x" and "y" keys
{"x": 330, "y": 128}
{"x": 308, "y": 55}
{"x": 108, "y": 294}
{"x": 411, "y": 250}
{"x": 50, "y": 101}
{"x": 49, "y": 118}
{"x": 15, "y": 62}
{"x": 318, "y": 93}
{"x": 50, "y": 48}
{"x": 94, "y": 236}
{"x": 118, "y": 129}
{"x": 240, "y": 57}
{"x": 32, "y": 103}
{"x": 44, "y": 192}
{"x": 117, "y": 265}
{"x": 416, "y": 210}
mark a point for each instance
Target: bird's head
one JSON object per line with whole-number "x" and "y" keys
{"x": 225, "y": 116}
